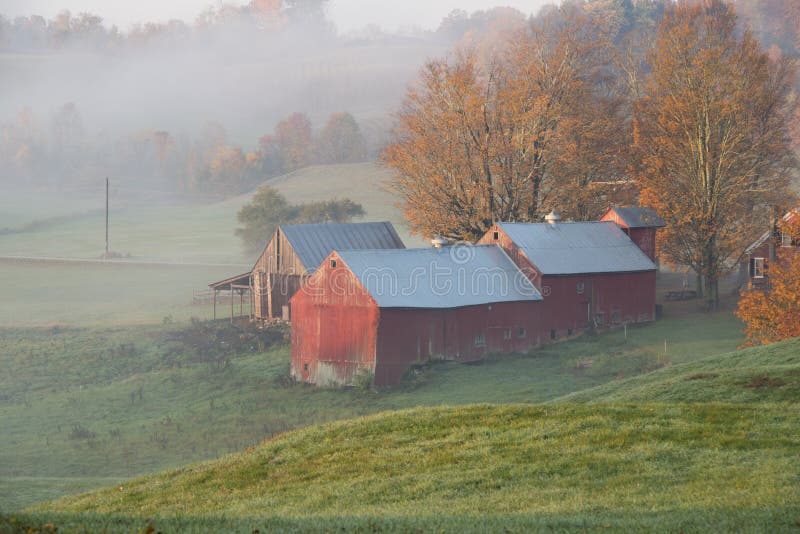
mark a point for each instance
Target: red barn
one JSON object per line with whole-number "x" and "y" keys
{"x": 638, "y": 223}
{"x": 377, "y": 312}
{"x": 590, "y": 273}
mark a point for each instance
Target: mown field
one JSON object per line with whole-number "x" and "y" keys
{"x": 89, "y": 402}
{"x": 151, "y": 226}
{"x": 632, "y": 467}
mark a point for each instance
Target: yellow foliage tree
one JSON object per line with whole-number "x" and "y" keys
{"x": 774, "y": 314}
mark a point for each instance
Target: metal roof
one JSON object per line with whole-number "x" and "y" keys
{"x": 578, "y": 247}
{"x": 766, "y": 235}
{"x": 639, "y": 217}
{"x": 313, "y": 242}
{"x": 447, "y": 277}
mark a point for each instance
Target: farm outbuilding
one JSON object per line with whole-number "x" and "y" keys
{"x": 378, "y": 312}
{"x": 640, "y": 223}
{"x": 296, "y": 250}
{"x": 591, "y": 274}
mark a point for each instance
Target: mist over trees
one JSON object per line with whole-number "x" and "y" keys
{"x": 674, "y": 105}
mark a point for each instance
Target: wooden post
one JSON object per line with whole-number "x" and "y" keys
{"x": 231, "y": 303}
{"x": 269, "y": 295}
{"x": 215, "y": 304}
{"x": 241, "y": 302}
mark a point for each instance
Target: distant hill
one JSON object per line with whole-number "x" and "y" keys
{"x": 760, "y": 374}
{"x": 172, "y": 229}
{"x": 565, "y": 467}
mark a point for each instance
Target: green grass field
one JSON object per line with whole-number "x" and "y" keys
{"x": 760, "y": 374}
{"x": 89, "y": 402}
{"x": 650, "y": 467}
{"x": 71, "y": 224}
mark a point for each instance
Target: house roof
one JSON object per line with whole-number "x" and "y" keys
{"x": 638, "y": 217}
{"x": 313, "y": 242}
{"x": 448, "y": 277}
{"x": 766, "y": 235}
{"x": 578, "y": 247}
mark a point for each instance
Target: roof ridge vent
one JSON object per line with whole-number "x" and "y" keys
{"x": 439, "y": 241}
{"x": 553, "y": 217}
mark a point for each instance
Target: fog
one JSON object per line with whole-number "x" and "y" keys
{"x": 81, "y": 99}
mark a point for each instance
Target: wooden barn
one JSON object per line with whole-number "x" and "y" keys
{"x": 591, "y": 274}
{"x": 763, "y": 251}
{"x": 378, "y": 312}
{"x": 638, "y": 223}
{"x": 294, "y": 252}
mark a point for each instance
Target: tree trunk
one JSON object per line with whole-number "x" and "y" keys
{"x": 699, "y": 284}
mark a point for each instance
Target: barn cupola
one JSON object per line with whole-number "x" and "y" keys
{"x": 438, "y": 241}
{"x": 553, "y": 217}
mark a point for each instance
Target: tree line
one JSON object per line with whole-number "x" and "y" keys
{"x": 675, "y": 104}
{"x": 61, "y": 152}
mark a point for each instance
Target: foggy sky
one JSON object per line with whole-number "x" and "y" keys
{"x": 346, "y": 14}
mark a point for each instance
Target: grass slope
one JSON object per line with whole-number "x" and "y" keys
{"x": 168, "y": 229}
{"x": 759, "y": 374}
{"x": 565, "y": 461}
{"x": 147, "y": 403}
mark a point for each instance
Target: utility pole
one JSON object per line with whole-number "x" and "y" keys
{"x": 106, "y": 254}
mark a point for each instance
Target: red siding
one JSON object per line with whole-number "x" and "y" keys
{"x": 645, "y": 238}
{"x": 408, "y": 336}
{"x": 631, "y": 295}
{"x": 334, "y": 328}
{"x": 619, "y": 297}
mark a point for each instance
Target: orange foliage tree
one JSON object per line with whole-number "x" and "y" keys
{"x": 505, "y": 139}
{"x": 774, "y": 314}
{"x": 711, "y": 129}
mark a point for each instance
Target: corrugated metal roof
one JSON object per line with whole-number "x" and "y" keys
{"x": 639, "y": 217}
{"x": 449, "y": 277}
{"x": 578, "y": 247}
{"x": 313, "y": 242}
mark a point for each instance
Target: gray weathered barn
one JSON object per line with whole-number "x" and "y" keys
{"x": 294, "y": 252}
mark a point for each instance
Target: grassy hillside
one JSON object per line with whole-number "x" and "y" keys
{"x": 83, "y": 403}
{"x": 759, "y": 374}
{"x": 633, "y": 464}
{"x": 71, "y": 224}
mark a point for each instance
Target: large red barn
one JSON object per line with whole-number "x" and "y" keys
{"x": 590, "y": 274}
{"x": 377, "y": 312}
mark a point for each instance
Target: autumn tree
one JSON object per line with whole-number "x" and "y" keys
{"x": 711, "y": 131}
{"x": 341, "y": 141}
{"x": 774, "y": 314}
{"x": 294, "y": 141}
{"x": 478, "y": 142}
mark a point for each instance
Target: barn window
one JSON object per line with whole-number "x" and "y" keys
{"x": 507, "y": 333}
{"x": 786, "y": 240}
{"x": 569, "y": 332}
{"x": 758, "y": 267}
{"x": 553, "y": 334}
{"x": 616, "y": 317}
{"x": 480, "y": 340}
{"x": 305, "y": 367}
{"x": 496, "y": 235}
{"x": 333, "y": 264}
{"x": 580, "y": 287}
{"x": 522, "y": 333}
{"x": 600, "y": 318}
